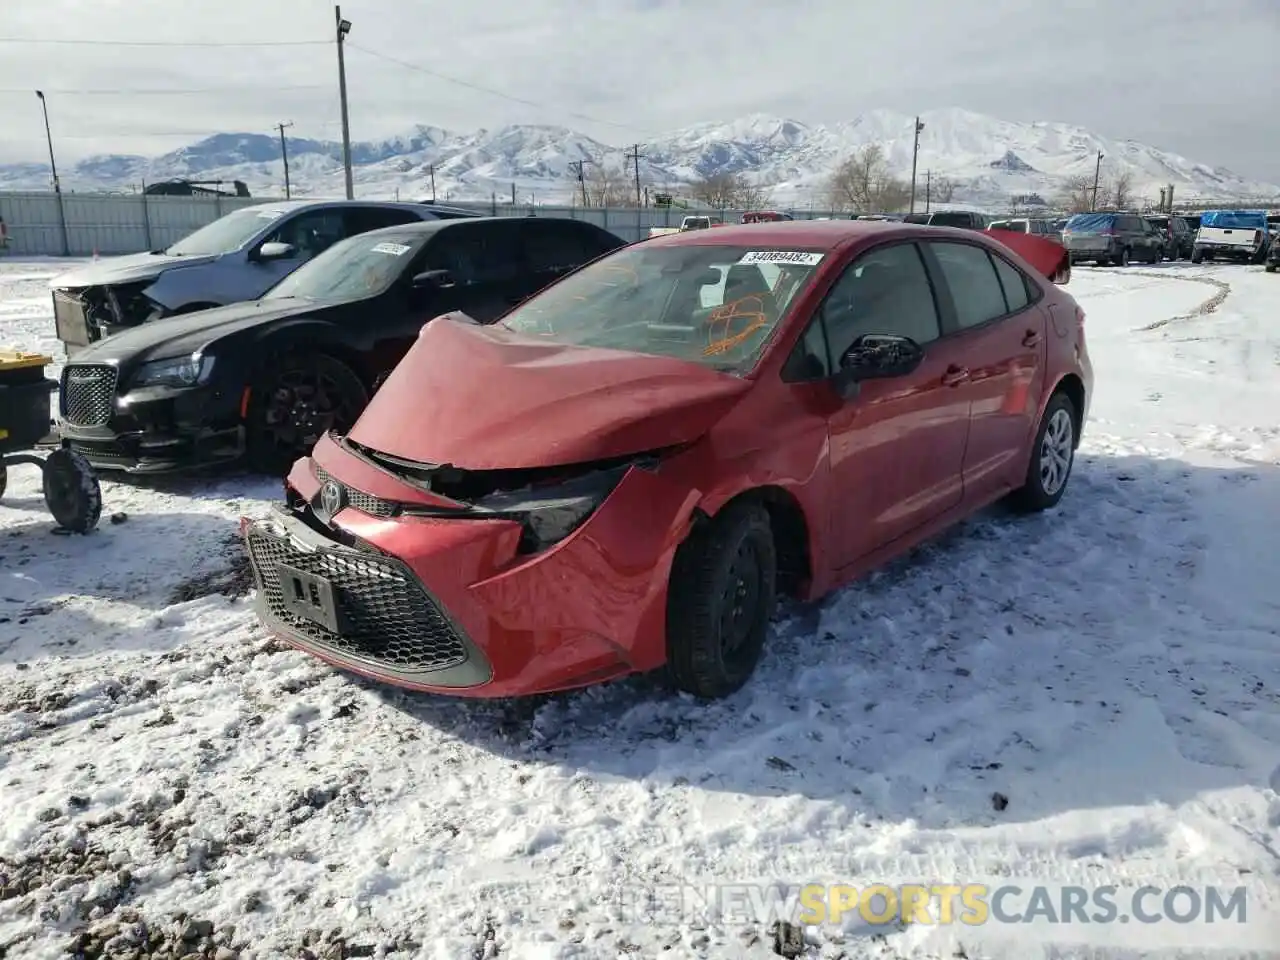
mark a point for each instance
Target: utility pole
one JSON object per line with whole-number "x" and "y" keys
{"x": 344, "y": 27}
{"x": 53, "y": 169}
{"x": 284, "y": 155}
{"x": 1097, "y": 173}
{"x": 636, "y": 156}
{"x": 580, "y": 166}
{"x": 432, "y": 170}
{"x": 915, "y": 153}
{"x": 928, "y": 186}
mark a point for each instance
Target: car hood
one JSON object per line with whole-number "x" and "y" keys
{"x": 183, "y": 335}
{"x": 136, "y": 266}
{"x": 484, "y": 398}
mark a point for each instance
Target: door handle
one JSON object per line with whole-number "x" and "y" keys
{"x": 955, "y": 376}
{"x": 1031, "y": 339}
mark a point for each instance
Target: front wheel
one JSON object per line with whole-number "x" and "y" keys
{"x": 1197, "y": 256}
{"x": 1052, "y": 457}
{"x": 722, "y": 596}
{"x": 294, "y": 403}
{"x": 1122, "y": 258}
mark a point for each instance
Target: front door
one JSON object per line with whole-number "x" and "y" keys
{"x": 485, "y": 265}
{"x": 897, "y": 448}
{"x": 999, "y": 343}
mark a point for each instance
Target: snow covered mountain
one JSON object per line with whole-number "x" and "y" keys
{"x": 988, "y": 160}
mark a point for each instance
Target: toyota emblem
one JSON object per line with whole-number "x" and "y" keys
{"x": 331, "y": 498}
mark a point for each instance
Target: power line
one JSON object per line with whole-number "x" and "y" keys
{"x": 155, "y": 91}
{"x": 489, "y": 90}
{"x": 60, "y": 41}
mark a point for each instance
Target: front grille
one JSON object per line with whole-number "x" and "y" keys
{"x": 391, "y": 620}
{"x": 364, "y": 502}
{"x": 88, "y": 394}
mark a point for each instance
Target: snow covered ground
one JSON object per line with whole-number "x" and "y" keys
{"x": 173, "y": 782}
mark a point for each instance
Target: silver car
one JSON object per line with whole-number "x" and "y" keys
{"x": 238, "y": 257}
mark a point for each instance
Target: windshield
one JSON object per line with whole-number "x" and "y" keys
{"x": 226, "y": 233}
{"x": 1234, "y": 219}
{"x": 358, "y": 267}
{"x": 1090, "y": 222}
{"x": 711, "y": 304}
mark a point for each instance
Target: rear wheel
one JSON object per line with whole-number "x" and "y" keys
{"x": 722, "y": 596}
{"x": 1197, "y": 256}
{"x": 1052, "y": 457}
{"x": 295, "y": 402}
{"x": 1122, "y": 258}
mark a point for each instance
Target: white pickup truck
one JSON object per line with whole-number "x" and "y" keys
{"x": 1232, "y": 234}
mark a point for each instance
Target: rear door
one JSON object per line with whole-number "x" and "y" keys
{"x": 486, "y": 264}
{"x": 997, "y": 332}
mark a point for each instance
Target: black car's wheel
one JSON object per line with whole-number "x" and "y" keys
{"x": 1271, "y": 268}
{"x": 722, "y": 596}
{"x": 1052, "y": 456}
{"x": 1122, "y": 258}
{"x": 72, "y": 491}
{"x": 4, "y": 471}
{"x": 1197, "y": 256}
{"x": 294, "y": 403}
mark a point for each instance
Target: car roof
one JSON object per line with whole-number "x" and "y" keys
{"x": 290, "y": 205}
{"x": 827, "y": 235}
{"x": 434, "y": 226}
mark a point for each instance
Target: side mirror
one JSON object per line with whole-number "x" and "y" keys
{"x": 434, "y": 280}
{"x": 275, "y": 250}
{"x": 876, "y": 356}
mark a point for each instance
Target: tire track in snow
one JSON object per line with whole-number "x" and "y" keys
{"x": 1222, "y": 291}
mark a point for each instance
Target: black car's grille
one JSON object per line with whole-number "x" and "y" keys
{"x": 364, "y": 502}
{"x": 391, "y": 620}
{"x": 88, "y": 394}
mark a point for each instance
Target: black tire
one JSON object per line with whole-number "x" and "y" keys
{"x": 1121, "y": 259}
{"x": 1042, "y": 487}
{"x": 1271, "y": 268}
{"x": 293, "y": 402}
{"x": 4, "y": 477}
{"x": 1197, "y": 256}
{"x": 711, "y": 653}
{"x": 72, "y": 491}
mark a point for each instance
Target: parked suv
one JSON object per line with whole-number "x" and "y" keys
{"x": 1114, "y": 238}
{"x": 238, "y": 257}
{"x": 1178, "y": 236}
{"x": 965, "y": 219}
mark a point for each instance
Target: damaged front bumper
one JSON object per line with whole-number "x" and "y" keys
{"x": 372, "y": 574}
{"x": 83, "y": 316}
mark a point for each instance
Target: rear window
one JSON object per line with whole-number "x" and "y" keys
{"x": 1234, "y": 219}
{"x": 1160, "y": 222}
{"x": 951, "y": 220}
{"x": 1012, "y": 226}
{"x": 1091, "y": 222}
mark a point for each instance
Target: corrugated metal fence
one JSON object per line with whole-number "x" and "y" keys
{"x": 111, "y": 224}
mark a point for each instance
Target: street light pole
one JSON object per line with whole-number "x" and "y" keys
{"x": 53, "y": 168}
{"x": 344, "y": 27}
{"x": 915, "y": 153}
{"x": 1097, "y": 172}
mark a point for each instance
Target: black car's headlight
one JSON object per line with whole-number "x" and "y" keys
{"x": 186, "y": 371}
{"x": 552, "y": 512}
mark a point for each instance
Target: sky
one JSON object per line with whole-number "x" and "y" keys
{"x": 1195, "y": 78}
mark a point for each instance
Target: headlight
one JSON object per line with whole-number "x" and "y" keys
{"x": 178, "y": 372}
{"x": 551, "y": 513}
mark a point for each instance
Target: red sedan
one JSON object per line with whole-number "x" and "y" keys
{"x": 626, "y": 470}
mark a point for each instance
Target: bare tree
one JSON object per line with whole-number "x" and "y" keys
{"x": 722, "y": 191}
{"x": 609, "y": 187}
{"x": 864, "y": 183}
{"x": 943, "y": 189}
{"x": 1077, "y": 194}
{"x": 1119, "y": 190}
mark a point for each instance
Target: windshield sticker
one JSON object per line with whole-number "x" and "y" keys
{"x": 395, "y": 249}
{"x": 270, "y": 214}
{"x": 800, "y": 258}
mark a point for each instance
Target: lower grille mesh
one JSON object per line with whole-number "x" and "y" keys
{"x": 392, "y": 620}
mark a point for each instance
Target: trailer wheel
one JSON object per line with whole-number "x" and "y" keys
{"x": 4, "y": 477}
{"x": 72, "y": 491}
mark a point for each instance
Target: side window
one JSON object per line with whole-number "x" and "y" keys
{"x": 554, "y": 247}
{"x": 809, "y": 359}
{"x": 363, "y": 219}
{"x": 477, "y": 253}
{"x": 885, "y": 291}
{"x": 1014, "y": 284}
{"x": 312, "y": 232}
{"x": 975, "y": 287}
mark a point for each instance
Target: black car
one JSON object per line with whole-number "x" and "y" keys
{"x": 1273, "y": 257}
{"x": 1112, "y": 237}
{"x": 262, "y": 380}
{"x": 964, "y": 219}
{"x": 1178, "y": 237}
